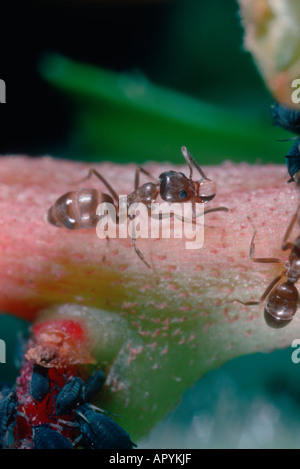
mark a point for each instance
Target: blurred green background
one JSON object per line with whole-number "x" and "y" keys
{"x": 133, "y": 82}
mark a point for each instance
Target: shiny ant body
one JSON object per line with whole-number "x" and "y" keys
{"x": 281, "y": 298}
{"x": 289, "y": 119}
{"x": 77, "y": 209}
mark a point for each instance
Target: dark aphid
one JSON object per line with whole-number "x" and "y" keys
{"x": 39, "y": 386}
{"x": 97, "y": 431}
{"x": 93, "y": 385}
{"x": 77, "y": 209}
{"x": 8, "y": 404}
{"x": 293, "y": 162}
{"x": 77, "y": 392}
{"x": 281, "y": 297}
{"x": 45, "y": 437}
{"x": 71, "y": 395}
{"x": 288, "y": 119}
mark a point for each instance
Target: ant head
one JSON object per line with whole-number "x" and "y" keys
{"x": 175, "y": 187}
{"x": 281, "y": 306}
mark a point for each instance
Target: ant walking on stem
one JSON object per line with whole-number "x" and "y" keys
{"x": 77, "y": 209}
{"x": 281, "y": 298}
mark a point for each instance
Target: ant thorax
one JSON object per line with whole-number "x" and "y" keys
{"x": 146, "y": 194}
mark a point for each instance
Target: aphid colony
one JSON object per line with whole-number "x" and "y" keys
{"x": 49, "y": 408}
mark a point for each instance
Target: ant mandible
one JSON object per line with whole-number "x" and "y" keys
{"x": 77, "y": 209}
{"x": 281, "y": 298}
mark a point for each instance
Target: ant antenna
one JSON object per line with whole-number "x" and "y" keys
{"x": 190, "y": 161}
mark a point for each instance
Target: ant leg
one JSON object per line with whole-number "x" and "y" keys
{"x": 162, "y": 216}
{"x": 209, "y": 210}
{"x": 106, "y": 249}
{"x": 285, "y": 244}
{"x": 271, "y": 286}
{"x": 263, "y": 260}
{"x": 264, "y": 295}
{"x": 193, "y": 208}
{"x": 102, "y": 179}
{"x": 133, "y": 244}
{"x": 217, "y": 209}
{"x": 137, "y": 176}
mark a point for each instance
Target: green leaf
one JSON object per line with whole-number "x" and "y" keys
{"x": 123, "y": 117}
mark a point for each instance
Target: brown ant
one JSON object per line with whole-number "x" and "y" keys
{"x": 281, "y": 297}
{"x": 77, "y": 209}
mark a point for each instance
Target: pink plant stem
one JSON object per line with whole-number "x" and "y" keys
{"x": 155, "y": 331}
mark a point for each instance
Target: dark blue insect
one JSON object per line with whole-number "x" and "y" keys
{"x": 70, "y": 396}
{"x": 39, "y": 385}
{"x": 93, "y": 385}
{"x": 97, "y": 431}
{"x": 293, "y": 162}
{"x": 288, "y": 119}
{"x": 77, "y": 392}
{"x": 45, "y": 437}
{"x": 8, "y": 404}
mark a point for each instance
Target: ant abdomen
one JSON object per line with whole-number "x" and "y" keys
{"x": 77, "y": 209}
{"x": 281, "y": 305}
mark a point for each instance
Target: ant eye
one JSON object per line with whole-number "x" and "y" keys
{"x": 182, "y": 194}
